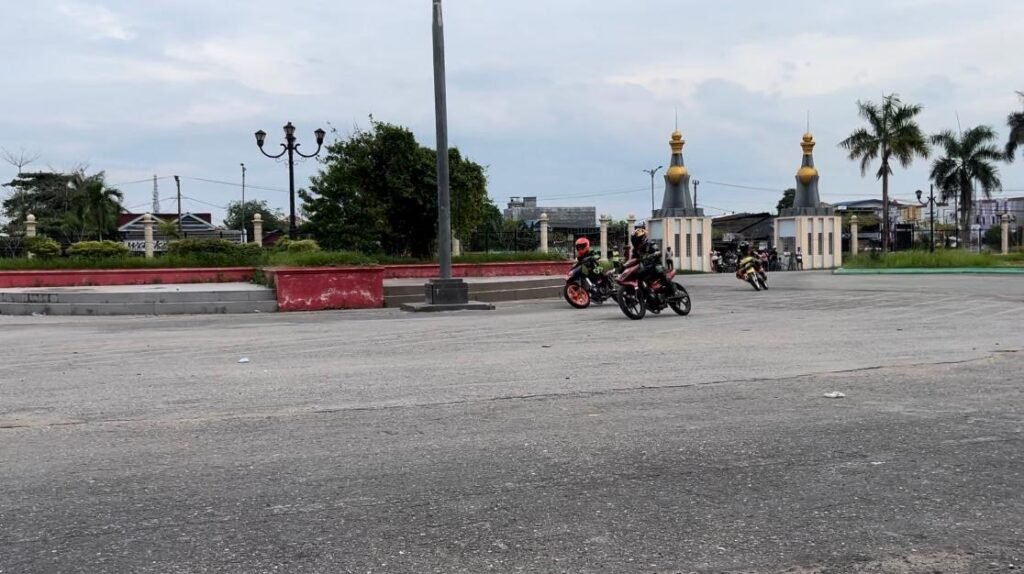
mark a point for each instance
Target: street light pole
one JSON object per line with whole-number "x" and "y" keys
{"x": 291, "y": 149}
{"x": 243, "y": 205}
{"x": 177, "y": 183}
{"x": 651, "y": 173}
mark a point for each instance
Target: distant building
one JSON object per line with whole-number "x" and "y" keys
{"x": 193, "y": 226}
{"x": 525, "y": 209}
{"x": 755, "y": 228}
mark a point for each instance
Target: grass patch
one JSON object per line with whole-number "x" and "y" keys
{"x": 317, "y": 259}
{"x": 128, "y": 262}
{"x": 251, "y": 258}
{"x": 941, "y": 259}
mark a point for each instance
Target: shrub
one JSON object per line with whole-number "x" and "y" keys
{"x": 93, "y": 249}
{"x": 319, "y": 259}
{"x": 41, "y": 246}
{"x": 296, "y": 246}
{"x": 202, "y": 246}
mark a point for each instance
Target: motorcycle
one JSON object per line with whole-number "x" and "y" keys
{"x": 638, "y": 294}
{"x": 581, "y": 289}
{"x": 751, "y": 271}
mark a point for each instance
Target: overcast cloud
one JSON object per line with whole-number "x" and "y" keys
{"x": 558, "y": 97}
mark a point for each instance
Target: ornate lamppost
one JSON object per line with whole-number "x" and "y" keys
{"x": 292, "y": 149}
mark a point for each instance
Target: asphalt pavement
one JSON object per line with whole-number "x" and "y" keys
{"x": 533, "y": 438}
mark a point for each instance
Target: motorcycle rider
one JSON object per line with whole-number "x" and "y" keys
{"x": 749, "y": 259}
{"x": 643, "y": 250}
{"x": 589, "y": 262}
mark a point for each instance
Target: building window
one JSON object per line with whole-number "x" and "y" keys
{"x": 689, "y": 246}
{"x": 700, "y": 245}
{"x": 831, "y": 245}
{"x": 821, "y": 241}
{"x": 810, "y": 243}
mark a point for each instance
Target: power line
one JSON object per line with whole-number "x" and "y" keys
{"x": 148, "y": 180}
{"x": 224, "y": 207}
{"x": 235, "y": 184}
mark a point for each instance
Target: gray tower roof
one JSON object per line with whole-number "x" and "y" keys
{"x": 677, "y": 201}
{"x": 807, "y": 200}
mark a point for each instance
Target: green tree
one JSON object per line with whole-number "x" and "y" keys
{"x": 892, "y": 134}
{"x": 96, "y": 205}
{"x": 273, "y": 219}
{"x": 788, "y": 197}
{"x": 1016, "y": 123}
{"x": 377, "y": 192}
{"x": 968, "y": 160}
{"x": 68, "y": 206}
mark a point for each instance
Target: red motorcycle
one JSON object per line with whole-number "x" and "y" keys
{"x": 640, "y": 291}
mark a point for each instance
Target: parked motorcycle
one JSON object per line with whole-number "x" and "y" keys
{"x": 638, "y": 293}
{"x": 581, "y": 289}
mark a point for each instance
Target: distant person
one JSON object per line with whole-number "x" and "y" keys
{"x": 799, "y": 260}
{"x": 773, "y": 259}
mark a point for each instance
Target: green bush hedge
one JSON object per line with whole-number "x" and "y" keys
{"x": 204, "y": 246}
{"x": 93, "y": 249}
{"x": 296, "y": 246}
{"x": 42, "y": 247}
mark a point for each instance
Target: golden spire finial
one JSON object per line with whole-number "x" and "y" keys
{"x": 677, "y": 142}
{"x": 808, "y": 143}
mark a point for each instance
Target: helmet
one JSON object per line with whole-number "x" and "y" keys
{"x": 744, "y": 248}
{"x": 582, "y": 246}
{"x": 639, "y": 238}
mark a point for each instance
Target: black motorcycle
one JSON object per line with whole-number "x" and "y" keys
{"x": 581, "y": 289}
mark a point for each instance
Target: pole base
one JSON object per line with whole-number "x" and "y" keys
{"x": 447, "y": 295}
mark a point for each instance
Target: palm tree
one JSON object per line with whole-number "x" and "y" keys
{"x": 1016, "y": 123}
{"x": 969, "y": 159}
{"x": 892, "y": 133}
{"x": 98, "y": 204}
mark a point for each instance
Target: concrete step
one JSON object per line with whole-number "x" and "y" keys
{"x": 211, "y": 298}
{"x": 490, "y": 290}
{"x": 92, "y": 297}
{"x": 190, "y": 308}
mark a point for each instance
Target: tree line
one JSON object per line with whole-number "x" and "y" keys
{"x": 967, "y": 158}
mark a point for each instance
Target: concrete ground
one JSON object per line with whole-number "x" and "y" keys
{"x": 534, "y": 438}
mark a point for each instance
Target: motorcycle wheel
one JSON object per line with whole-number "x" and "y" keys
{"x": 682, "y": 305}
{"x": 576, "y": 295}
{"x": 753, "y": 282}
{"x": 763, "y": 282}
{"x": 632, "y": 304}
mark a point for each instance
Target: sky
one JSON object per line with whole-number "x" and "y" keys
{"x": 566, "y": 100}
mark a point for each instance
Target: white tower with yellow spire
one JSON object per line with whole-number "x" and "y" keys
{"x": 809, "y": 228}
{"x": 680, "y": 226}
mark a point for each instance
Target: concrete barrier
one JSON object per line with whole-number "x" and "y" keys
{"x": 321, "y": 288}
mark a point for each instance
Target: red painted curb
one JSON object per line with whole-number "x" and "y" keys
{"x": 89, "y": 277}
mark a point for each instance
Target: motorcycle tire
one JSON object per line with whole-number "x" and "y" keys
{"x": 680, "y": 305}
{"x": 632, "y": 304}
{"x": 576, "y": 295}
{"x": 763, "y": 283}
{"x": 753, "y": 282}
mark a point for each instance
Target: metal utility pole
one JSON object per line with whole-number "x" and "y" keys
{"x": 243, "y": 204}
{"x": 444, "y": 219}
{"x": 651, "y": 173}
{"x": 156, "y": 196}
{"x": 177, "y": 182}
{"x": 696, "y": 182}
